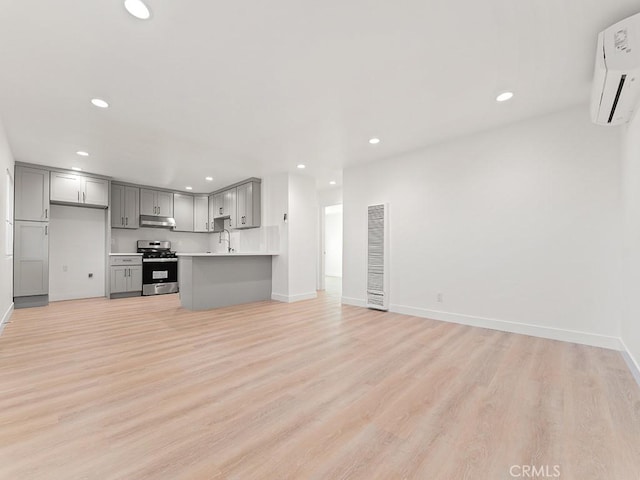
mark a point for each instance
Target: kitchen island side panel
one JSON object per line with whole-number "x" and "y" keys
{"x": 219, "y": 281}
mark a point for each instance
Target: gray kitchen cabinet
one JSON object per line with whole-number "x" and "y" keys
{"x": 200, "y": 213}
{"x": 31, "y": 194}
{"x": 183, "y": 212}
{"x": 156, "y": 203}
{"x": 126, "y": 279}
{"x": 218, "y": 205}
{"x": 75, "y": 189}
{"x": 125, "y": 206}
{"x": 125, "y": 275}
{"x": 248, "y": 205}
{"x": 212, "y": 212}
{"x": 31, "y": 259}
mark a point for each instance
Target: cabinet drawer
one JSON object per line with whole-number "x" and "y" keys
{"x": 125, "y": 260}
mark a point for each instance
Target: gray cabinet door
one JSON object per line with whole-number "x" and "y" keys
{"x": 164, "y": 203}
{"x": 212, "y": 211}
{"x": 200, "y": 214}
{"x": 218, "y": 205}
{"x": 230, "y": 209}
{"x": 117, "y": 206}
{"x": 95, "y": 191}
{"x": 31, "y": 194}
{"x": 183, "y": 212}
{"x": 147, "y": 202}
{"x": 131, "y": 207}
{"x": 248, "y": 204}
{"x": 65, "y": 187}
{"x": 31, "y": 259}
{"x": 119, "y": 279}
{"x": 134, "y": 280}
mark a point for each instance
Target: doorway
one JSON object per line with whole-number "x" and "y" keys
{"x": 332, "y": 258}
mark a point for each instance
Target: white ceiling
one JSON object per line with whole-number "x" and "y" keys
{"x": 238, "y": 89}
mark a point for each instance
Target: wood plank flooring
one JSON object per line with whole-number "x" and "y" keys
{"x": 142, "y": 389}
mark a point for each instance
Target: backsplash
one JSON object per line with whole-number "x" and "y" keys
{"x": 263, "y": 239}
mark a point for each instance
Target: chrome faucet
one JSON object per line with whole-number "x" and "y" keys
{"x": 228, "y": 239}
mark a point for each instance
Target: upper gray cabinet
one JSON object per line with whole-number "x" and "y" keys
{"x": 125, "y": 206}
{"x": 31, "y": 194}
{"x": 200, "y": 213}
{"x": 156, "y": 203}
{"x": 218, "y": 205}
{"x": 183, "y": 212}
{"x": 75, "y": 189}
{"x": 248, "y": 205}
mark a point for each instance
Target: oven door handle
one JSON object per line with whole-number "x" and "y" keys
{"x": 160, "y": 260}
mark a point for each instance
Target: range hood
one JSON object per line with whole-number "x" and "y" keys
{"x": 157, "y": 222}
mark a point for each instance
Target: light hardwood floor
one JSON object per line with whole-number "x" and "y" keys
{"x": 142, "y": 389}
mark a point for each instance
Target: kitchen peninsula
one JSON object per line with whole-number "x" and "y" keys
{"x": 212, "y": 280}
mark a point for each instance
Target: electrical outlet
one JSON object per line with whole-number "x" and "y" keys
{"x": 439, "y": 298}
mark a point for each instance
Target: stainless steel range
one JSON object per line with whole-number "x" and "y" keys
{"x": 159, "y": 267}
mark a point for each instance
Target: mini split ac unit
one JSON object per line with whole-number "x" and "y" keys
{"x": 616, "y": 83}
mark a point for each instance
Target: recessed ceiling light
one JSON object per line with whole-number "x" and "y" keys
{"x": 137, "y": 8}
{"x": 332, "y": 182}
{"x": 77, "y": 169}
{"x": 189, "y": 188}
{"x": 209, "y": 179}
{"x": 301, "y": 166}
{"x": 374, "y": 141}
{"x": 504, "y": 96}
{"x": 98, "y": 102}
{"x": 82, "y": 154}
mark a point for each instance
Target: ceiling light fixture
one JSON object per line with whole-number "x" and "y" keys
{"x": 209, "y": 179}
{"x": 137, "y": 8}
{"x": 301, "y": 166}
{"x": 82, "y": 154}
{"x": 189, "y": 188}
{"x": 77, "y": 169}
{"x": 332, "y": 182}
{"x": 98, "y": 102}
{"x": 374, "y": 141}
{"x": 504, "y": 96}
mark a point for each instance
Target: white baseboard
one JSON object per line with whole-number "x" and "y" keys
{"x": 572, "y": 336}
{"x": 631, "y": 362}
{"x": 293, "y": 298}
{"x": 6, "y": 317}
{"x": 356, "y": 302}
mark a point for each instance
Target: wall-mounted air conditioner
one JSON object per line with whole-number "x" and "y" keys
{"x": 616, "y": 82}
{"x": 378, "y": 257}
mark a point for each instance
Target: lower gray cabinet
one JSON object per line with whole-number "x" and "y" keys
{"x": 126, "y": 279}
{"x": 31, "y": 259}
{"x": 125, "y": 275}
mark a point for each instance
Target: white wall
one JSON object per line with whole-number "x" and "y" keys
{"x": 6, "y": 258}
{"x": 518, "y": 228}
{"x": 76, "y": 248}
{"x": 275, "y": 204}
{"x": 333, "y": 241}
{"x": 303, "y": 236}
{"x": 630, "y": 324}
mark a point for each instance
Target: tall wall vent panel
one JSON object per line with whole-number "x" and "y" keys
{"x": 378, "y": 257}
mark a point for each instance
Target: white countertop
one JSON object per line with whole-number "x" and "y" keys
{"x": 233, "y": 254}
{"x": 124, "y": 254}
